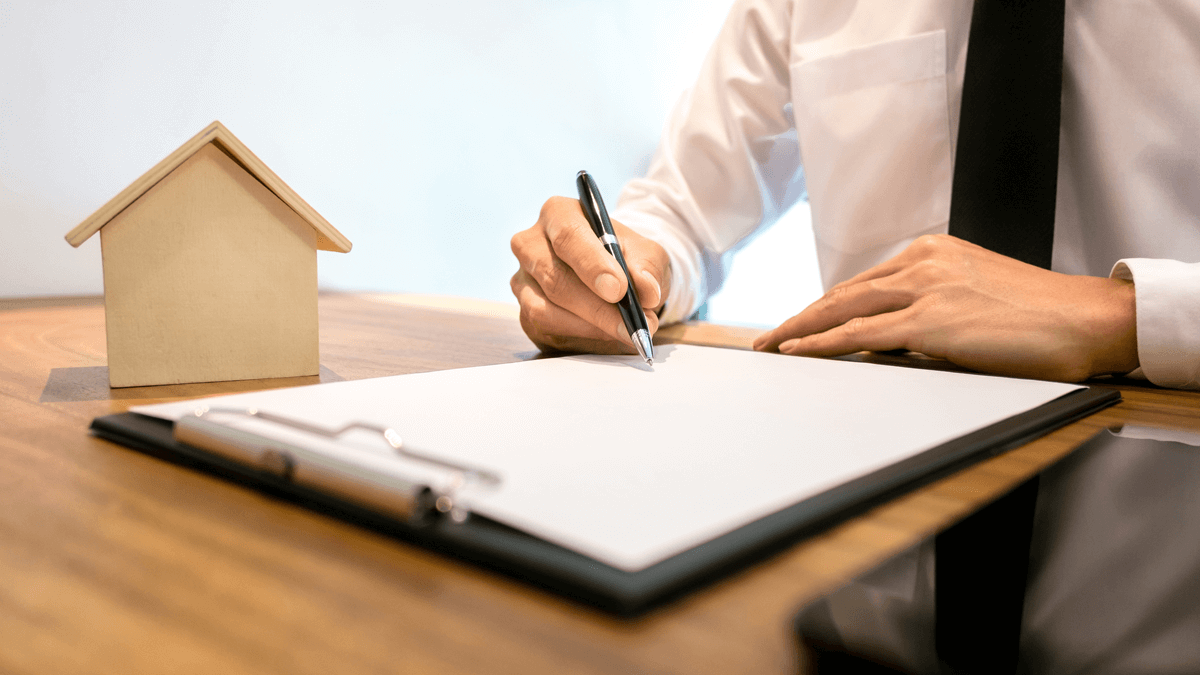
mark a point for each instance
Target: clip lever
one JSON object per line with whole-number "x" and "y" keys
{"x": 414, "y": 501}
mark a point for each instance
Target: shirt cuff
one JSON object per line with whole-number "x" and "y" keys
{"x": 1167, "y": 296}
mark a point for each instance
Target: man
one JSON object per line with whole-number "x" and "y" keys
{"x": 857, "y": 105}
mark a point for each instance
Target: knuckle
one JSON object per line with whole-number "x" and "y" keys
{"x": 530, "y": 325}
{"x": 526, "y": 317}
{"x": 833, "y": 297}
{"x": 558, "y": 202}
{"x": 855, "y": 328}
{"x": 564, "y": 238}
{"x": 550, "y": 277}
{"x": 551, "y": 207}
{"x": 544, "y": 342}
{"x": 534, "y": 317}
{"x": 519, "y": 242}
{"x": 929, "y": 269}
{"x": 931, "y": 244}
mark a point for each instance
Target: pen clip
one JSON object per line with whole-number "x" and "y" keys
{"x": 593, "y": 208}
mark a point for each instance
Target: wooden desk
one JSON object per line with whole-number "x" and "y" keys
{"x": 113, "y": 561}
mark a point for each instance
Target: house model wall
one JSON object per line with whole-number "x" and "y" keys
{"x": 210, "y": 270}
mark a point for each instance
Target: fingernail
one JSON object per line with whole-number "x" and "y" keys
{"x": 789, "y": 345}
{"x": 608, "y": 287}
{"x": 654, "y": 285}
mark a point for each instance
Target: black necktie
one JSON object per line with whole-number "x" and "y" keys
{"x": 1006, "y": 163}
{"x": 1005, "y": 181}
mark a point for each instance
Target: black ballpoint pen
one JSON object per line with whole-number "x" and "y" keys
{"x": 630, "y": 307}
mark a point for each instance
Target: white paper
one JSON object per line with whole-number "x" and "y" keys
{"x": 630, "y": 464}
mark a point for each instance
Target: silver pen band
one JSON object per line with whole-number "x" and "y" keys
{"x": 645, "y": 347}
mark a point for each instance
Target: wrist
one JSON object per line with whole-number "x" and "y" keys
{"x": 1116, "y": 349}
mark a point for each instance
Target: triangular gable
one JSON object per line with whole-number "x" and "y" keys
{"x": 328, "y": 238}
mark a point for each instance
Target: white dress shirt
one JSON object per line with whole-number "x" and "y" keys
{"x": 856, "y": 104}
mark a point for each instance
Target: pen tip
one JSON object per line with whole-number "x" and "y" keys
{"x": 649, "y": 361}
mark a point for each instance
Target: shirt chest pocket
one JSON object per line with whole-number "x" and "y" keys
{"x": 874, "y": 135}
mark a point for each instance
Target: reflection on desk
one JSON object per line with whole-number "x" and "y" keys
{"x": 1115, "y": 563}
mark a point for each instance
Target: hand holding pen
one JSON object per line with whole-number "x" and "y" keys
{"x": 569, "y": 284}
{"x": 630, "y": 307}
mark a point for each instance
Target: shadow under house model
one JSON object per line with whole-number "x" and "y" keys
{"x": 210, "y": 269}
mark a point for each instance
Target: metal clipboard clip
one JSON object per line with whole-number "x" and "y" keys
{"x": 412, "y": 500}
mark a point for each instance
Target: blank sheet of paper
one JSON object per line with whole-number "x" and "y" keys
{"x": 630, "y": 464}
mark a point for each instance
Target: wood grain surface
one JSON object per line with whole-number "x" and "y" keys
{"x": 113, "y": 561}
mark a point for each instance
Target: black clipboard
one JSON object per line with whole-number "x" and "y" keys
{"x": 494, "y": 546}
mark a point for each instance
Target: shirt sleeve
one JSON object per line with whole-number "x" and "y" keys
{"x": 1167, "y": 296}
{"x": 728, "y": 161}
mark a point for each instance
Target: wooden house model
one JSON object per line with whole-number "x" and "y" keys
{"x": 210, "y": 269}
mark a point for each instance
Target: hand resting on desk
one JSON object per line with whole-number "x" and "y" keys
{"x": 567, "y": 282}
{"x": 948, "y": 298}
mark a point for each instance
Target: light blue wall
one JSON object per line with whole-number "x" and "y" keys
{"x": 427, "y": 133}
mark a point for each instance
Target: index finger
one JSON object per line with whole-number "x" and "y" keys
{"x": 575, "y": 244}
{"x": 840, "y": 305}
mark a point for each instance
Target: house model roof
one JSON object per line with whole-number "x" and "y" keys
{"x": 328, "y": 238}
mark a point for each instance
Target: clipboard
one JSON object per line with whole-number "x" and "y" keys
{"x": 497, "y": 546}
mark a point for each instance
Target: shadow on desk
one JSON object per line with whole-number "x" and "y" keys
{"x": 90, "y": 383}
